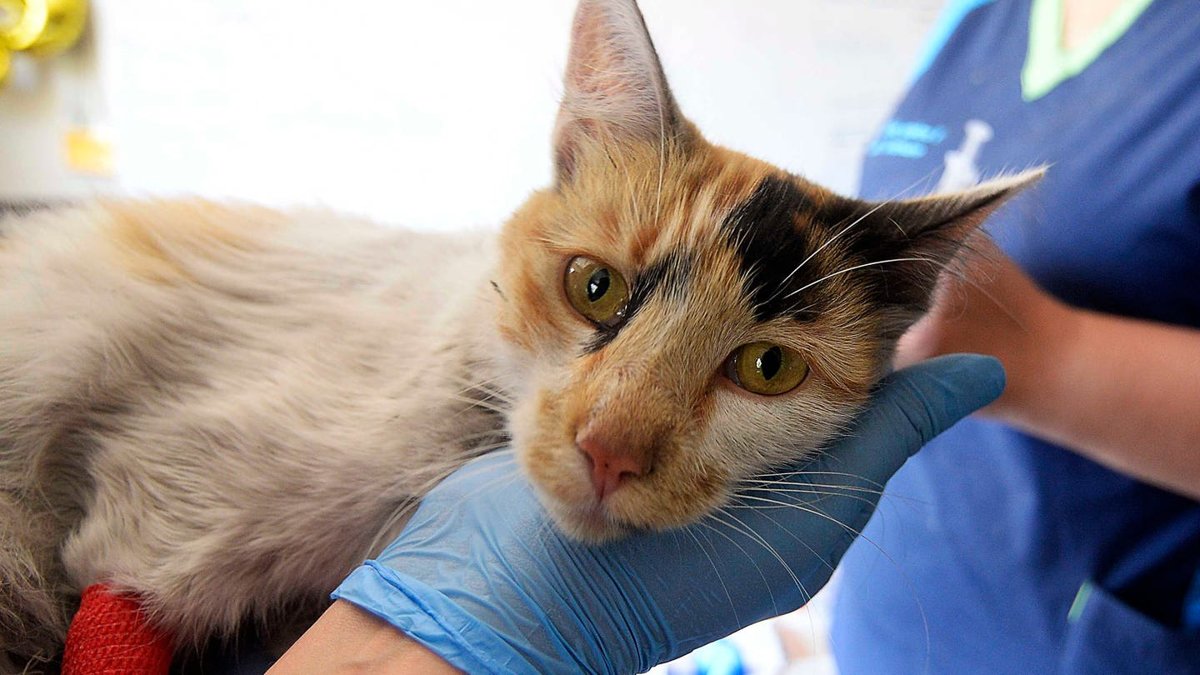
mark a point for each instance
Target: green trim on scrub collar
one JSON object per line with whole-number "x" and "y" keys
{"x": 1048, "y": 64}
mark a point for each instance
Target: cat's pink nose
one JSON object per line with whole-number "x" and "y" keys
{"x": 611, "y": 465}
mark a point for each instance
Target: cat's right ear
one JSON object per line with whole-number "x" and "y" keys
{"x": 614, "y": 91}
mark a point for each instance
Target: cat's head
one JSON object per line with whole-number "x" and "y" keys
{"x": 683, "y": 316}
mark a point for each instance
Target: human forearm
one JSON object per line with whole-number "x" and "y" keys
{"x": 347, "y": 639}
{"x": 1123, "y": 392}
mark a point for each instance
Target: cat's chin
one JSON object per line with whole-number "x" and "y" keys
{"x": 592, "y": 526}
{"x": 597, "y": 523}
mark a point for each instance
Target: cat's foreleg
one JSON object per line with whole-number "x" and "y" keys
{"x": 111, "y": 634}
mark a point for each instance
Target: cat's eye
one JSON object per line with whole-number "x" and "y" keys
{"x": 597, "y": 291}
{"x": 766, "y": 368}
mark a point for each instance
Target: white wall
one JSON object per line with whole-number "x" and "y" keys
{"x": 41, "y": 102}
{"x": 437, "y": 114}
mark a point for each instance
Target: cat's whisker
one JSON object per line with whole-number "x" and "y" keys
{"x": 463, "y": 378}
{"x": 715, "y": 516}
{"x": 852, "y": 268}
{"x": 485, "y": 448}
{"x": 631, "y": 189}
{"x": 820, "y": 514}
{"x": 799, "y": 540}
{"x": 839, "y": 474}
{"x": 995, "y": 301}
{"x": 846, "y": 229}
{"x": 801, "y": 493}
{"x": 461, "y": 472}
{"x": 800, "y": 496}
{"x": 486, "y": 432}
{"x": 807, "y": 508}
{"x": 822, "y": 247}
{"x": 483, "y": 386}
{"x": 662, "y": 153}
{"x": 716, "y": 570}
{"x": 865, "y": 496}
{"x": 741, "y": 527}
{"x": 831, "y": 567}
{"x": 800, "y": 488}
{"x": 487, "y": 394}
{"x": 476, "y": 403}
{"x": 858, "y": 533}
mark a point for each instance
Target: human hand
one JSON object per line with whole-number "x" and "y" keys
{"x": 481, "y": 578}
{"x": 992, "y": 307}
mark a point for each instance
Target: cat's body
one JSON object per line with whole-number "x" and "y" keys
{"x": 222, "y": 410}
{"x": 239, "y": 401}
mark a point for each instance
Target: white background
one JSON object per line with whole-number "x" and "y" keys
{"x": 433, "y": 114}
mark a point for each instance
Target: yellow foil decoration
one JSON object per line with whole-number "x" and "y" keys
{"x": 42, "y": 27}
{"x": 87, "y": 153}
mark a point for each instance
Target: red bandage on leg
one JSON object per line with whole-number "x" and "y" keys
{"x": 110, "y": 635}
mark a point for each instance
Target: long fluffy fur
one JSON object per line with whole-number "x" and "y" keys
{"x": 224, "y": 409}
{"x": 220, "y": 407}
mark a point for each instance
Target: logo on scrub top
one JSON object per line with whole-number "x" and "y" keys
{"x": 913, "y": 140}
{"x": 910, "y": 140}
{"x": 961, "y": 170}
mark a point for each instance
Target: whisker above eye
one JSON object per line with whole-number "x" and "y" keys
{"x": 820, "y": 248}
{"x": 852, "y": 268}
{"x": 846, "y": 229}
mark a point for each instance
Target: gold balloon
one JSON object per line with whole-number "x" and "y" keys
{"x": 42, "y": 27}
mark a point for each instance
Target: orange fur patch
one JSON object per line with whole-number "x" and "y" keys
{"x": 153, "y": 239}
{"x": 655, "y": 387}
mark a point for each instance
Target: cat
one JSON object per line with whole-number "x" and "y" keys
{"x": 223, "y": 408}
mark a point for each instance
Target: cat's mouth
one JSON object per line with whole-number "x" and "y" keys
{"x": 603, "y": 471}
{"x": 594, "y": 523}
{"x": 660, "y": 501}
{"x": 565, "y": 490}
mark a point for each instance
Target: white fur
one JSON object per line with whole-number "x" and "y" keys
{"x": 234, "y": 440}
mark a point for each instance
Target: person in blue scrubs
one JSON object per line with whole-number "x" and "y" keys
{"x": 1061, "y": 533}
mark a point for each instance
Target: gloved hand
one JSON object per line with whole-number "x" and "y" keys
{"x": 481, "y": 578}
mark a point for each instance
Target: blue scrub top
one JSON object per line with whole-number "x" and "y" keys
{"x": 992, "y": 551}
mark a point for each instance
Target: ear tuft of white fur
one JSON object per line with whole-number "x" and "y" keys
{"x": 614, "y": 88}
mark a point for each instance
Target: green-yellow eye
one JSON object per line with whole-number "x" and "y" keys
{"x": 597, "y": 291}
{"x": 766, "y": 368}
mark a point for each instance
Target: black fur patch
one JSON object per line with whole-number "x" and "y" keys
{"x": 763, "y": 231}
{"x": 668, "y": 276}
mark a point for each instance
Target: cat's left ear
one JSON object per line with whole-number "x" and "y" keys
{"x": 907, "y": 244}
{"x": 614, "y": 90}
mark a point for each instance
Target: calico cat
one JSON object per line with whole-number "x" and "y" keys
{"x": 223, "y": 409}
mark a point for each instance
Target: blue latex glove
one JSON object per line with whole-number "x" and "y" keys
{"x": 481, "y": 578}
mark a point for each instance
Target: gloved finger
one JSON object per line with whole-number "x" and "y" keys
{"x": 916, "y": 404}
{"x": 911, "y": 407}
{"x": 841, "y": 486}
